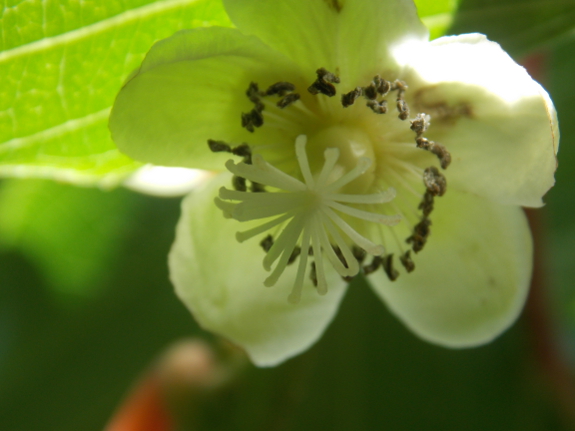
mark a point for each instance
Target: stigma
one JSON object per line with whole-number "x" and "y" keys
{"x": 307, "y": 218}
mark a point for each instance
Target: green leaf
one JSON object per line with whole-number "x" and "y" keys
{"x": 437, "y": 15}
{"x": 72, "y": 234}
{"x": 518, "y": 25}
{"x": 62, "y": 65}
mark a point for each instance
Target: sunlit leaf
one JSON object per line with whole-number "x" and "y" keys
{"x": 62, "y": 65}
{"x": 437, "y": 15}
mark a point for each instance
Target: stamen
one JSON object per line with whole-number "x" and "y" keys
{"x": 349, "y": 99}
{"x": 434, "y": 181}
{"x": 407, "y": 262}
{"x": 373, "y": 266}
{"x": 280, "y": 88}
{"x": 267, "y": 243}
{"x": 420, "y": 234}
{"x": 324, "y": 83}
{"x": 420, "y": 126}
{"x": 387, "y": 264}
{"x": 288, "y": 100}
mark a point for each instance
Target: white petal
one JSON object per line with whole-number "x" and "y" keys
{"x": 504, "y": 148}
{"x": 221, "y": 281}
{"x": 190, "y": 88}
{"x": 472, "y": 278}
{"x": 351, "y": 37}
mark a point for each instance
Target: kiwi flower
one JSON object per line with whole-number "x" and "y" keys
{"x": 346, "y": 143}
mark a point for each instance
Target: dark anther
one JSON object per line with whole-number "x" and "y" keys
{"x": 267, "y": 243}
{"x": 387, "y": 264}
{"x": 257, "y": 118}
{"x": 327, "y": 76}
{"x": 373, "y": 266}
{"x": 253, "y": 92}
{"x": 407, "y": 262}
{"x": 370, "y": 91}
{"x": 420, "y": 124}
{"x": 420, "y": 234}
{"x": 383, "y": 86}
{"x": 401, "y": 86}
{"x": 358, "y": 253}
{"x": 239, "y": 183}
{"x": 324, "y": 83}
{"x": 442, "y": 154}
{"x": 252, "y": 119}
{"x": 219, "y": 146}
{"x": 257, "y": 187}
{"x": 403, "y": 109}
{"x": 313, "y": 274}
{"x": 280, "y": 88}
{"x": 434, "y": 181}
{"x": 323, "y": 88}
{"x": 349, "y": 99}
{"x": 244, "y": 151}
{"x": 294, "y": 255}
{"x": 424, "y": 143}
{"x": 247, "y": 121}
{"x": 426, "y": 204}
{"x": 288, "y": 100}
{"x": 402, "y": 106}
{"x": 377, "y": 107}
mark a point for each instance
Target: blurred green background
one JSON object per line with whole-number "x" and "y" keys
{"x": 85, "y": 301}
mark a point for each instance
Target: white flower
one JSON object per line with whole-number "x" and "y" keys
{"x": 348, "y": 134}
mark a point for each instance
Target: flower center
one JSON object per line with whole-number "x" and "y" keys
{"x": 353, "y": 144}
{"x": 339, "y": 204}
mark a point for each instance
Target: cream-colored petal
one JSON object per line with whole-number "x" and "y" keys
{"x": 221, "y": 282}
{"x": 190, "y": 88}
{"x": 472, "y": 278}
{"x": 499, "y": 125}
{"x": 353, "y": 38}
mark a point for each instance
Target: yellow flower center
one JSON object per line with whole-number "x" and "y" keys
{"x": 340, "y": 201}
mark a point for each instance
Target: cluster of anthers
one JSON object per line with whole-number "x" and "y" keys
{"x": 311, "y": 214}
